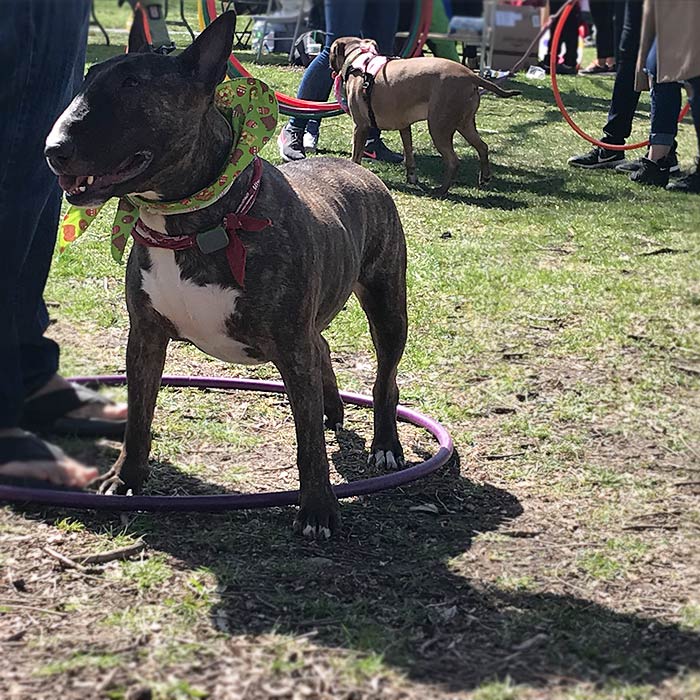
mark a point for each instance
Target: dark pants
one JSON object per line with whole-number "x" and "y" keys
{"x": 608, "y": 20}
{"x": 625, "y": 98}
{"x": 373, "y": 19}
{"x": 42, "y": 53}
{"x": 569, "y": 34}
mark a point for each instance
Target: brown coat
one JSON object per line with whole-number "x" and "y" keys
{"x": 676, "y": 25}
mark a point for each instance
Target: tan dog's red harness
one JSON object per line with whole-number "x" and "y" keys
{"x": 218, "y": 238}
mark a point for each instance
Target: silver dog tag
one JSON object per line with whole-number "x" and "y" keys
{"x": 212, "y": 240}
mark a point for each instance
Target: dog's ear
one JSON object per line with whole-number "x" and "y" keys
{"x": 207, "y": 56}
{"x": 336, "y": 56}
{"x": 139, "y": 35}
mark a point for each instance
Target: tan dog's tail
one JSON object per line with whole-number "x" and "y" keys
{"x": 492, "y": 87}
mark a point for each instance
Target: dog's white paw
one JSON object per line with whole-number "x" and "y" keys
{"x": 317, "y": 532}
{"x": 382, "y": 458}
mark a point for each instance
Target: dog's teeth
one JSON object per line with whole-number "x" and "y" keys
{"x": 91, "y": 179}
{"x": 82, "y": 188}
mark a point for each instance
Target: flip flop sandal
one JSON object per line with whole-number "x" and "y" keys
{"x": 48, "y": 413}
{"x": 29, "y": 448}
{"x": 594, "y": 69}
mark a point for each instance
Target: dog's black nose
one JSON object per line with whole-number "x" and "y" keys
{"x": 58, "y": 154}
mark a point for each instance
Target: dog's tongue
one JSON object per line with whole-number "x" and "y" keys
{"x": 71, "y": 182}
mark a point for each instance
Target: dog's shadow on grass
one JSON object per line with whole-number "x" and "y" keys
{"x": 511, "y": 187}
{"x": 397, "y": 583}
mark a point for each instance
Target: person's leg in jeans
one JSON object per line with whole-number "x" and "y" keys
{"x": 690, "y": 183}
{"x": 665, "y": 108}
{"x": 42, "y": 51}
{"x": 343, "y": 18}
{"x": 624, "y": 98}
{"x": 380, "y": 21}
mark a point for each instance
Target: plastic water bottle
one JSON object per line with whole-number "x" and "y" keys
{"x": 535, "y": 73}
{"x": 269, "y": 42}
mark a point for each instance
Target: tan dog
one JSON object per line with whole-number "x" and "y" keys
{"x": 410, "y": 90}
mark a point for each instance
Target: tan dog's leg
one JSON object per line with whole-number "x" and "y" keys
{"x": 407, "y": 139}
{"x": 442, "y": 138}
{"x": 359, "y": 139}
{"x": 468, "y": 130}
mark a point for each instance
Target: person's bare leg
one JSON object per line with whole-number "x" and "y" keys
{"x": 63, "y": 471}
{"x": 114, "y": 412}
{"x": 657, "y": 152}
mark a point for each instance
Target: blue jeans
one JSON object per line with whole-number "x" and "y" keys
{"x": 666, "y": 104}
{"x": 42, "y": 52}
{"x": 373, "y": 19}
{"x": 624, "y": 98}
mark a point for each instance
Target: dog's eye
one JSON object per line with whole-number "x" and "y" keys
{"x": 130, "y": 81}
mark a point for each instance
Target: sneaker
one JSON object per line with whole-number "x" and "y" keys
{"x": 689, "y": 183}
{"x": 597, "y": 158}
{"x": 310, "y": 142}
{"x": 291, "y": 143}
{"x": 376, "y": 149}
{"x": 631, "y": 166}
{"x": 652, "y": 172}
{"x": 562, "y": 68}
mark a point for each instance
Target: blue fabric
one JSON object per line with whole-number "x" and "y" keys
{"x": 42, "y": 53}
{"x": 665, "y": 105}
{"x": 373, "y": 19}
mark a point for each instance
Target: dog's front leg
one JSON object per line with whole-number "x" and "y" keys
{"x": 145, "y": 358}
{"x": 319, "y": 514}
{"x": 409, "y": 158}
{"x": 359, "y": 138}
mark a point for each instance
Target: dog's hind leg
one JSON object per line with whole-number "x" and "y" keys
{"x": 332, "y": 403}
{"x": 383, "y": 298}
{"x": 409, "y": 158}
{"x": 145, "y": 358}
{"x": 468, "y": 129}
{"x": 443, "y": 136}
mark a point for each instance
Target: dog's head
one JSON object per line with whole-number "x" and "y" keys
{"x": 346, "y": 46}
{"x": 137, "y": 116}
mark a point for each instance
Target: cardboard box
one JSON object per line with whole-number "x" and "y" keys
{"x": 514, "y": 28}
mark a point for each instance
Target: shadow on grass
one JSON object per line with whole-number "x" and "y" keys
{"x": 510, "y": 188}
{"x": 391, "y": 584}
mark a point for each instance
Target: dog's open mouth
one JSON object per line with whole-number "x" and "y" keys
{"x": 86, "y": 187}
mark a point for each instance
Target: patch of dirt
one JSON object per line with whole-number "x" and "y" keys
{"x": 520, "y": 563}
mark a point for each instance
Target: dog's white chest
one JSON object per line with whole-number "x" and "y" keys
{"x": 199, "y": 313}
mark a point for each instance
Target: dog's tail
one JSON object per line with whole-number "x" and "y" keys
{"x": 492, "y": 87}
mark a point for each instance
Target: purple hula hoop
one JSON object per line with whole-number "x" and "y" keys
{"x": 79, "y": 499}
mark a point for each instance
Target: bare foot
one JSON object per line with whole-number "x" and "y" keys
{"x": 61, "y": 471}
{"x": 115, "y": 412}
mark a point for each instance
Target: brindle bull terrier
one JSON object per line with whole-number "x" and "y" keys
{"x": 147, "y": 124}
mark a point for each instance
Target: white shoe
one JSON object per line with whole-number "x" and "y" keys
{"x": 310, "y": 142}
